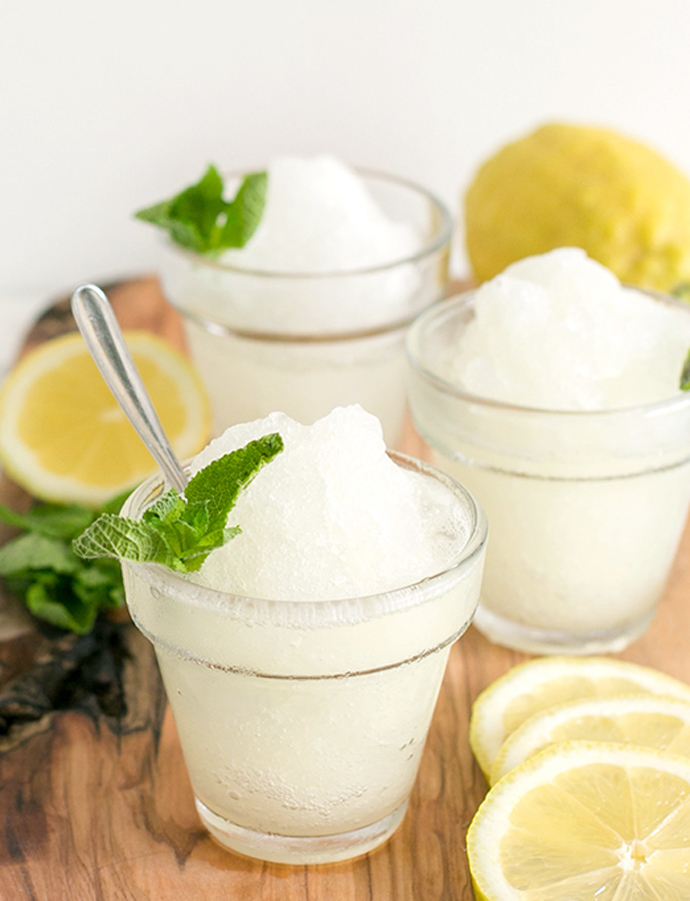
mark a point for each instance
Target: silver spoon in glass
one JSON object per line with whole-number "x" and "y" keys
{"x": 101, "y": 332}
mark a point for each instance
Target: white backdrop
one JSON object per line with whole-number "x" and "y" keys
{"x": 108, "y": 106}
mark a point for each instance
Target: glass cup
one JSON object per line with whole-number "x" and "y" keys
{"x": 586, "y": 508}
{"x": 303, "y": 723}
{"x": 305, "y": 343}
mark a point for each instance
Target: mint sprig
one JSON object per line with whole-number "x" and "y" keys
{"x": 199, "y": 219}
{"x": 180, "y": 532}
{"x": 43, "y": 571}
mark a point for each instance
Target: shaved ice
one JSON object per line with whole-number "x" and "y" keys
{"x": 320, "y": 217}
{"x": 311, "y": 314}
{"x": 560, "y": 332}
{"x": 332, "y": 516}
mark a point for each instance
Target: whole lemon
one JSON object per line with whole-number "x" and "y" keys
{"x": 570, "y": 185}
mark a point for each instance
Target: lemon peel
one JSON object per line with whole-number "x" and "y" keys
{"x": 573, "y": 185}
{"x": 539, "y": 684}
{"x": 645, "y": 720}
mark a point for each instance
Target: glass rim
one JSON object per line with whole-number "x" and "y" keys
{"x": 464, "y": 300}
{"x": 441, "y": 238}
{"x": 318, "y": 612}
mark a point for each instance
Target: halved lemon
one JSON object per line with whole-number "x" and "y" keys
{"x": 645, "y": 720}
{"x": 583, "y": 821}
{"x": 65, "y": 439}
{"x": 541, "y": 683}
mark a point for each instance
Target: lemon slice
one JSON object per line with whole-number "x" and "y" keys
{"x": 62, "y": 434}
{"x": 583, "y": 821}
{"x": 645, "y": 720}
{"x": 532, "y": 687}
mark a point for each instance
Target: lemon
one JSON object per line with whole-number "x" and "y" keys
{"x": 570, "y": 185}
{"x": 583, "y": 821}
{"x": 62, "y": 434}
{"x": 532, "y": 687}
{"x": 644, "y": 720}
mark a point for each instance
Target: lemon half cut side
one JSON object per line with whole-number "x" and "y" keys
{"x": 583, "y": 821}
{"x": 62, "y": 434}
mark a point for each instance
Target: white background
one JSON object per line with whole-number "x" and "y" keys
{"x": 109, "y": 106}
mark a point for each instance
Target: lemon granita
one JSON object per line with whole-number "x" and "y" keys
{"x": 618, "y": 199}
{"x": 311, "y": 312}
{"x": 303, "y": 659}
{"x": 554, "y": 394}
{"x": 560, "y": 332}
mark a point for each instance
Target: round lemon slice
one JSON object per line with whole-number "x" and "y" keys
{"x": 65, "y": 439}
{"x": 583, "y": 821}
{"x": 532, "y": 687}
{"x": 645, "y": 720}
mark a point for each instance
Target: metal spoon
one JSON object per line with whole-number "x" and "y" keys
{"x": 99, "y": 327}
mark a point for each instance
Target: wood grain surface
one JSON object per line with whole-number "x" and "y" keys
{"x": 96, "y": 808}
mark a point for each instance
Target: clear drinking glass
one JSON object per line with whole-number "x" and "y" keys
{"x": 303, "y": 723}
{"x": 586, "y": 508}
{"x": 267, "y": 341}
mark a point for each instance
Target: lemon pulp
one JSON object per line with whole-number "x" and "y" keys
{"x": 585, "y": 821}
{"x": 62, "y": 434}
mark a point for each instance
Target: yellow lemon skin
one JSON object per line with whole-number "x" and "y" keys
{"x": 571, "y": 185}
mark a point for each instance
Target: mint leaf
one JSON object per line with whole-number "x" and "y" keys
{"x": 52, "y": 520}
{"x": 33, "y": 552}
{"x": 199, "y": 219}
{"x": 43, "y": 571}
{"x": 190, "y": 217}
{"x": 244, "y": 213}
{"x": 216, "y": 487}
{"x": 200, "y": 204}
{"x": 685, "y": 374}
{"x": 180, "y": 532}
{"x": 53, "y": 600}
{"x": 116, "y": 536}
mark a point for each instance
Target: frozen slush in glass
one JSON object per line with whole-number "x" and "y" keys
{"x": 302, "y": 661}
{"x": 553, "y": 393}
{"x": 311, "y": 312}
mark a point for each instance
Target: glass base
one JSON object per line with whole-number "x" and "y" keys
{"x": 299, "y": 849}
{"x": 544, "y": 641}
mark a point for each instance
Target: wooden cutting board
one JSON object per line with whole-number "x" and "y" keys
{"x": 98, "y": 807}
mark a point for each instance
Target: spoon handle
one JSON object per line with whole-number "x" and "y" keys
{"x": 99, "y": 327}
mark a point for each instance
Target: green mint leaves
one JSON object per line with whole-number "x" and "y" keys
{"x": 199, "y": 219}
{"x": 180, "y": 532}
{"x": 42, "y": 570}
{"x": 62, "y": 566}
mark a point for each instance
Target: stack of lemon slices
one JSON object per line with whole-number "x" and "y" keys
{"x": 589, "y": 760}
{"x": 63, "y": 436}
